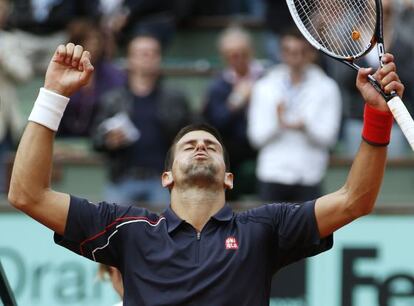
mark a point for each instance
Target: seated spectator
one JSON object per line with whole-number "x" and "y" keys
{"x": 135, "y": 125}
{"x": 14, "y": 68}
{"x": 402, "y": 46}
{"x": 228, "y": 98}
{"x": 294, "y": 118}
{"x": 80, "y": 112}
{"x": 39, "y": 25}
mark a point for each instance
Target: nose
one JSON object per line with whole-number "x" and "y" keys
{"x": 201, "y": 146}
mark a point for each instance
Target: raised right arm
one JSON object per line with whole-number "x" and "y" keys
{"x": 30, "y": 189}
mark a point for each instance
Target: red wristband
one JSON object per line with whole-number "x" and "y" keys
{"x": 377, "y": 126}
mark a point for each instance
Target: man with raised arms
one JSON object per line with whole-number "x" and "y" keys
{"x": 198, "y": 252}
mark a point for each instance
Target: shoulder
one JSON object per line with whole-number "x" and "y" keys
{"x": 326, "y": 85}
{"x": 275, "y": 73}
{"x": 219, "y": 83}
{"x": 111, "y": 70}
{"x": 117, "y": 97}
{"x": 171, "y": 92}
{"x": 317, "y": 74}
{"x": 277, "y": 212}
{"x": 120, "y": 213}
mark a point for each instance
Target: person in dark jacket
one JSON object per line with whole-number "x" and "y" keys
{"x": 228, "y": 98}
{"x": 135, "y": 125}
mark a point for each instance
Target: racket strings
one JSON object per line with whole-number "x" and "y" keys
{"x": 326, "y": 35}
{"x": 343, "y": 27}
{"x": 337, "y": 34}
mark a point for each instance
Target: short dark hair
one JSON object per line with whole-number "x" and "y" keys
{"x": 169, "y": 159}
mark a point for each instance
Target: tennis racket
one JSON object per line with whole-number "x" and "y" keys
{"x": 347, "y": 30}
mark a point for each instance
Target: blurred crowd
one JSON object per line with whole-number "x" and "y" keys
{"x": 280, "y": 122}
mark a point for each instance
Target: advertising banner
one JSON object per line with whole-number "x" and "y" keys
{"x": 42, "y": 273}
{"x": 371, "y": 264}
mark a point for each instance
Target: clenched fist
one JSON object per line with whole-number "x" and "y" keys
{"x": 388, "y": 78}
{"x": 69, "y": 70}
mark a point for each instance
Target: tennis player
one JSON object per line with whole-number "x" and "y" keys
{"x": 198, "y": 252}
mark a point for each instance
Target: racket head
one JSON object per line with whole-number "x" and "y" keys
{"x": 342, "y": 29}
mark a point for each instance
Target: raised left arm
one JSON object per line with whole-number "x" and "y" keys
{"x": 357, "y": 197}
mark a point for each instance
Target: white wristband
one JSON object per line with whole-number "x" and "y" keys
{"x": 48, "y": 109}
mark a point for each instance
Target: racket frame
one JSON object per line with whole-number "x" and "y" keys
{"x": 376, "y": 40}
{"x": 395, "y": 104}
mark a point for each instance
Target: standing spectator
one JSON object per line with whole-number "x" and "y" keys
{"x": 401, "y": 45}
{"x": 40, "y": 25}
{"x": 135, "y": 125}
{"x": 14, "y": 67}
{"x": 80, "y": 113}
{"x": 229, "y": 95}
{"x": 294, "y": 118}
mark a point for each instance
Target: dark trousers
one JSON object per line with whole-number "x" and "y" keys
{"x": 274, "y": 192}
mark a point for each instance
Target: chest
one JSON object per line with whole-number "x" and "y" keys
{"x": 189, "y": 268}
{"x": 187, "y": 252}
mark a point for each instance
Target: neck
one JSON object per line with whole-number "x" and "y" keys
{"x": 142, "y": 85}
{"x": 296, "y": 75}
{"x": 196, "y": 205}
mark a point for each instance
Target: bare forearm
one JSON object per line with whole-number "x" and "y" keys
{"x": 69, "y": 69}
{"x": 357, "y": 197}
{"x": 32, "y": 166}
{"x": 365, "y": 178}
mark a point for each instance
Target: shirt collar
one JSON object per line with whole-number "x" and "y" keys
{"x": 224, "y": 214}
{"x": 173, "y": 221}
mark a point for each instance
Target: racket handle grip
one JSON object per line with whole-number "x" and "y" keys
{"x": 403, "y": 118}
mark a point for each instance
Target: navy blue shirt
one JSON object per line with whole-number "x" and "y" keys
{"x": 164, "y": 261}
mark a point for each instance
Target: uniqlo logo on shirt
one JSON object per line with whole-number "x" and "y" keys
{"x": 231, "y": 244}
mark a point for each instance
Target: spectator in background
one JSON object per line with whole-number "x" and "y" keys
{"x": 135, "y": 125}
{"x": 402, "y": 46}
{"x": 228, "y": 98}
{"x": 128, "y": 18}
{"x": 278, "y": 21}
{"x": 106, "y": 272}
{"x": 294, "y": 118}
{"x": 40, "y": 25}
{"x": 80, "y": 113}
{"x": 14, "y": 68}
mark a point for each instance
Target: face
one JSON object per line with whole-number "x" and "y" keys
{"x": 296, "y": 53}
{"x": 237, "y": 53}
{"x": 144, "y": 55}
{"x": 198, "y": 160}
